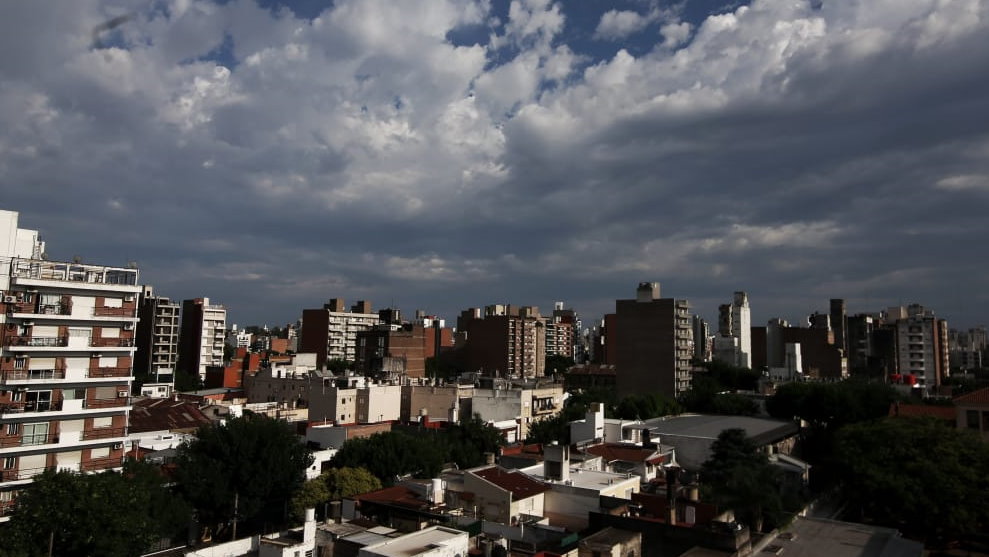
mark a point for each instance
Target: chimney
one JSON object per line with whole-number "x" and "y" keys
{"x": 309, "y": 529}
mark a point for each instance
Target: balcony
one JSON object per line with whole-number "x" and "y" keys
{"x": 107, "y": 402}
{"x": 110, "y": 372}
{"x": 24, "y": 407}
{"x": 29, "y": 308}
{"x": 101, "y": 464}
{"x": 104, "y": 433}
{"x": 25, "y": 474}
{"x": 113, "y": 342}
{"x": 33, "y": 375}
{"x": 6, "y": 508}
{"x": 29, "y": 440}
{"x": 27, "y": 340}
{"x": 34, "y": 269}
{"x": 114, "y": 312}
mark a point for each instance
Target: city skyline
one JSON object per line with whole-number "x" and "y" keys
{"x": 446, "y": 155}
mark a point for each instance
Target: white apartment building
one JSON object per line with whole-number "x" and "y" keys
{"x": 735, "y": 321}
{"x": 204, "y": 329}
{"x": 66, "y": 356}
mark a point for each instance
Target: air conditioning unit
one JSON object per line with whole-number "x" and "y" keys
{"x": 128, "y": 326}
{"x": 9, "y": 299}
{"x": 128, "y": 298}
{"x": 28, "y": 323}
{"x": 122, "y": 394}
{"x": 116, "y": 446}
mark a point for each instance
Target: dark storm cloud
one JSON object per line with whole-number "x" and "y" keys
{"x": 796, "y": 152}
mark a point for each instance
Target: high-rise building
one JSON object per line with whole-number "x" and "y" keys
{"x": 331, "y": 331}
{"x": 567, "y": 316}
{"x": 157, "y": 343}
{"x": 839, "y": 324}
{"x": 508, "y": 341}
{"x": 203, "y": 336}
{"x": 922, "y": 347}
{"x": 702, "y": 339}
{"x": 735, "y": 322}
{"x": 652, "y": 343}
{"x": 66, "y": 355}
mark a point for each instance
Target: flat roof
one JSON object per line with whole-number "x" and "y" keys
{"x": 417, "y": 542}
{"x": 818, "y": 537}
{"x": 707, "y": 426}
{"x": 587, "y": 479}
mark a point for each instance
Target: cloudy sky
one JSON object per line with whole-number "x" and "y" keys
{"x": 442, "y": 154}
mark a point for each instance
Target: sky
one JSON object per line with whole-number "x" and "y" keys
{"x": 446, "y": 154}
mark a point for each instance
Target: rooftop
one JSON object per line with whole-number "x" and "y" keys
{"x": 586, "y": 479}
{"x": 161, "y": 414}
{"x": 628, "y": 453}
{"x": 980, "y": 396}
{"x": 417, "y": 543}
{"x": 520, "y": 485}
{"x": 760, "y": 430}
{"x": 817, "y": 537}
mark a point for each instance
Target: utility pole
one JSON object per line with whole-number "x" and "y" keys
{"x": 236, "y": 501}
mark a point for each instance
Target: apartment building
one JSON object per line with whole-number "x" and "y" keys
{"x": 505, "y": 341}
{"x": 651, "y": 343}
{"x": 66, "y": 360}
{"x": 203, "y": 335}
{"x": 922, "y": 347}
{"x": 331, "y": 331}
{"x": 734, "y": 342}
{"x": 157, "y": 343}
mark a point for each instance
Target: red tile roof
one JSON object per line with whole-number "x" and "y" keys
{"x": 397, "y": 495}
{"x": 165, "y": 414}
{"x": 946, "y": 413}
{"x": 611, "y": 452}
{"x": 520, "y": 485}
{"x": 980, "y": 396}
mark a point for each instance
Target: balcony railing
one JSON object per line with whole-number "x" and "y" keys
{"x": 22, "y": 474}
{"x": 27, "y": 340}
{"x": 101, "y": 463}
{"x": 114, "y": 312}
{"x": 110, "y": 372}
{"x": 75, "y": 272}
{"x": 111, "y": 342}
{"x": 33, "y": 374}
{"x": 30, "y": 406}
{"x": 29, "y": 440}
{"x": 107, "y": 402}
{"x": 6, "y": 508}
{"x": 104, "y": 433}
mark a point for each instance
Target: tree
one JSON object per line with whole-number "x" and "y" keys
{"x": 738, "y": 476}
{"x": 545, "y": 431}
{"x": 331, "y": 485}
{"x": 644, "y": 406}
{"x": 556, "y": 363}
{"x": 467, "y": 442}
{"x": 111, "y": 513}
{"x": 392, "y": 453}
{"x": 917, "y": 475}
{"x": 255, "y": 463}
{"x": 338, "y": 365}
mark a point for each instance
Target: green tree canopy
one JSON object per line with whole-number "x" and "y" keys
{"x": 738, "y": 476}
{"x": 917, "y": 475}
{"x": 331, "y": 485}
{"x": 645, "y": 406}
{"x": 111, "y": 513}
{"x": 556, "y": 363}
{"x": 392, "y": 453}
{"x": 257, "y": 460}
{"x": 831, "y": 405}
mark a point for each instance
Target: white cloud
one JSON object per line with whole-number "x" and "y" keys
{"x": 741, "y": 147}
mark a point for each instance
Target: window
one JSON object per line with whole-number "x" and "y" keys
{"x": 9, "y": 463}
{"x": 35, "y": 434}
{"x": 20, "y": 362}
{"x": 972, "y": 419}
{"x": 12, "y": 429}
